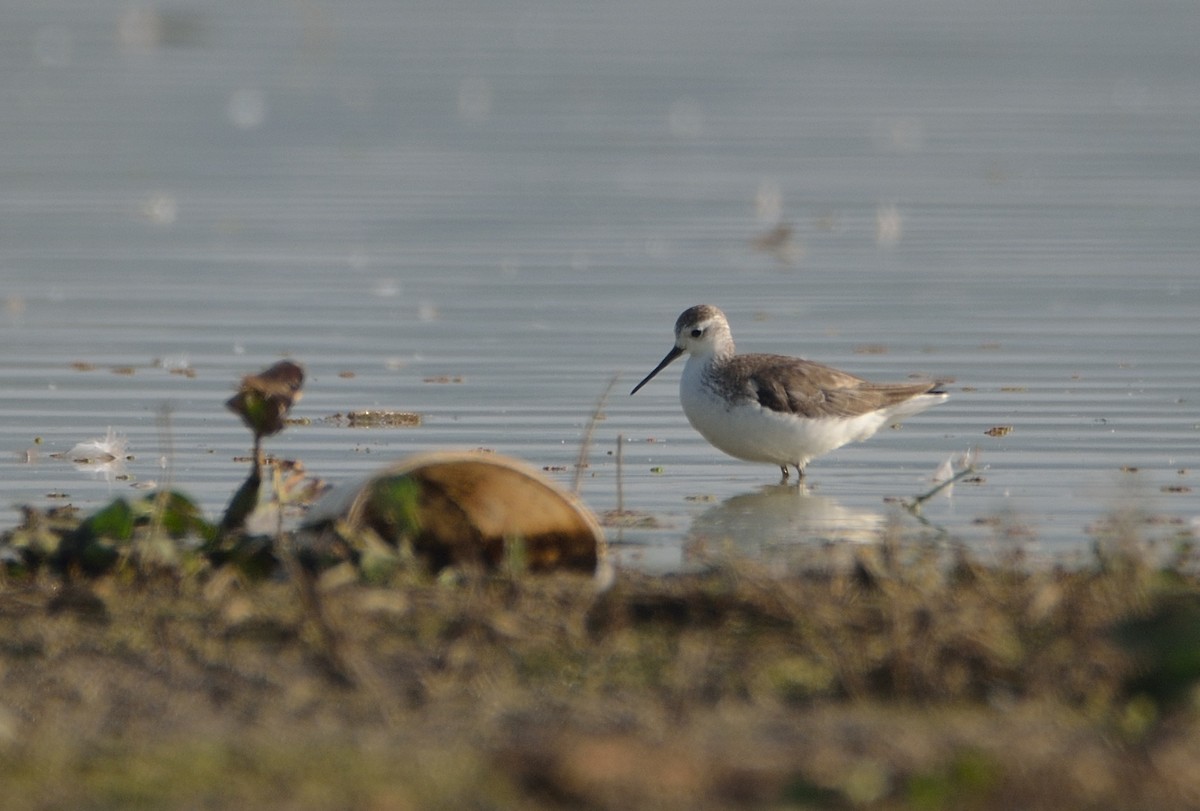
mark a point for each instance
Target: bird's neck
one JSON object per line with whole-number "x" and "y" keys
{"x": 721, "y": 352}
{"x": 718, "y": 355}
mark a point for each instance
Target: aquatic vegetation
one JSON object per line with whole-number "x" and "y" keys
{"x": 264, "y": 400}
{"x": 160, "y": 531}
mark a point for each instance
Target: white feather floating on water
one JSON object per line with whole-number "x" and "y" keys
{"x": 945, "y": 471}
{"x": 112, "y": 447}
{"x": 953, "y": 467}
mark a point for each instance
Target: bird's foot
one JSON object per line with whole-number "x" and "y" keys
{"x": 787, "y": 474}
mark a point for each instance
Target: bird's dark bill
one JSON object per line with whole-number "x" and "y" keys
{"x": 674, "y": 353}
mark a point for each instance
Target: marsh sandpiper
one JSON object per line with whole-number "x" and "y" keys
{"x": 776, "y": 408}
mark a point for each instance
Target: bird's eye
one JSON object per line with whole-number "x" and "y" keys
{"x": 697, "y": 332}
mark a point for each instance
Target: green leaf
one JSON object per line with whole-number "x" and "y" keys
{"x": 115, "y": 522}
{"x": 397, "y": 503}
{"x": 179, "y": 516}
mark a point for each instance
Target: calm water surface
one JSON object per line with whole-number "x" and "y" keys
{"x": 482, "y": 212}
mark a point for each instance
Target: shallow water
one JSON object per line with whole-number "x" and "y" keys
{"x": 482, "y": 212}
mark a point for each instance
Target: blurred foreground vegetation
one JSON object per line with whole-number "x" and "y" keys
{"x": 149, "y": 661}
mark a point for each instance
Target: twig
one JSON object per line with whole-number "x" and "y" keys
{"x": 167, "y": 449}
{"x": 586, "y": 444}
{"x": 914, "y": 505}
{"x": 620, "y": 476}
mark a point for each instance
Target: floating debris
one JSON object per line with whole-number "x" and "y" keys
{"x": 104, "y": 456}
{"x": 161, "y": 208}
{"x": 111, "y": 447}
{"x": 630, "y": 519}
{"x": 780, "y": 242}
{"x": 944, "y": 473}
{"x": 774, "y": 238}
{"x": 379, "y": 419}
{"x": 999, "y": 430}
{"x": 955, "y": 468}
{"x": 889, "y": 225}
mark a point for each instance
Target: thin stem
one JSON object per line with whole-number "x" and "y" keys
{"x": 914, "y": 505}
{"x": 585, "y": 445}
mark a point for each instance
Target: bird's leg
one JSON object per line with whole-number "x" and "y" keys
{"x": 786, "y": 473}
{"x": 799, "y": 474}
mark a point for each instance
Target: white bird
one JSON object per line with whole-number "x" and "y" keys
{"x": 776, "y": 408}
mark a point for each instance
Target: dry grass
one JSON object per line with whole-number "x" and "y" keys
{"x": 906, "y": 680}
